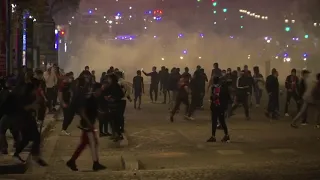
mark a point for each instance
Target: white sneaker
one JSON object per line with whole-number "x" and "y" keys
{"x": 63, "y": 132}
{"x": 189, "y": 118}
{"x": 286, "y": 114}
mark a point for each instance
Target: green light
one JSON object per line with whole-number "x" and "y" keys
{"x": 199, "y": 0}
{"x": 241, "y": 27}
{"x": 214, "y": 4}
{"x": 241, "y": 17}
{"x": 225, "y": 10}
{"x": 288, "y": 29}
{"x": 306, "y": 36}
{"x": 214, "y": 12}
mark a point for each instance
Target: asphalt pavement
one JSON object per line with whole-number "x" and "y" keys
{"x": 158, "y": 149}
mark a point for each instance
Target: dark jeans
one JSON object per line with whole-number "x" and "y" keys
{"x": 41, "y": 112}
{"x": 218, "y": 114}
{"x": 178, "y": 103}
{"x": 115, "y": 116}
{"x": 103, "y": 121}
{"x": 295, "y": 97}
{"x": 68, "y": 115}
{"x": 165, "y": 93}
{"x": 153, "y": 89}
{"x": 50, "y": 97}
{"x": 8, "y": 122}
{"x": 122, "y": 110}
{"x": 29, "y": 132}
{"x": 258, "y": 95}
{"x": 242, "y": 99}
{"x": 195, "y": 102}
{"x": 273, "y": 103}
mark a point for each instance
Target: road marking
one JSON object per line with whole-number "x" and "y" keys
{"x": 230, "y": 152}
{"x": 282, "y": 151}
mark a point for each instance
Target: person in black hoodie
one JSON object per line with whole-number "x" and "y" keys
{"x": 292, "y": 86}
{"x": 154, "y": 83}
{"x": 8, "y": 116}
{"x": 272, "y": 87}
{"x": 87, "y": 108}
{"x": 113, "y": 95}
{"x": 173, "y": 87}
{"x": 165, "y": 88}
{"x": 219, "y": 98}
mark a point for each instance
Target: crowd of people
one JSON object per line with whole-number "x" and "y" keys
{"x": 27, "y": 96}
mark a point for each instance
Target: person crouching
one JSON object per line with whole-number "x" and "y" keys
{"x": 220, "y": 98}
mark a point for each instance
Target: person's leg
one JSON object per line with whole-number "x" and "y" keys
{"x": 67, "y": 119}
{"x": 156, "y": 92}
{"x": 288, "y": 98}
{"x": 214, "y": 122}
{"x": 83, "y": 143}
{"x": 122, "y": 111}
{"x": 303, "y": 110}
{"x": 246, "y": 107}
{"x": 139, "y": 101}
{"x": 151, "y": 92}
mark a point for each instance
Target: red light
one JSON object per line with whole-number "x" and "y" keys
{"x": 154, "y": 12}
{"x": 160, "y": 12}
{"x": 62, "y": 33}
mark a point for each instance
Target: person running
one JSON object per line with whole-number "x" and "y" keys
{"x": 182, "y": 97}
{"x": 220, "y": 97}
{"x": 88, "y": 113}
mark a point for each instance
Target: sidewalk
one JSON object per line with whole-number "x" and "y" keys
{"x": 8, "y": 165}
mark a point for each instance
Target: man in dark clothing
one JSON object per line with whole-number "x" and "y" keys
{"x": 242, "y": 93}
{"x": 8, "y": 115}
{"x": 186, "y": 74}
{"x": 219, "y": 98}
{"x": 26, "y": 104}
{"x": 154, "y": 83}
{"x": 216, "y": 71}
{"x": 292, "y": 86}
{"x": 138, "y": 88}
{"x": 272, "y": 87}
{"x": 173, "y": 87}
{"x": 182, "y": 97}
{"x": 202, "y": 86}
{"x": 161, "y": 80}
{"x": 88, "y": 112}
{"x": 165, "y": 88}
{"x": 114, "y": 94}
{"x": 64, "y": 95}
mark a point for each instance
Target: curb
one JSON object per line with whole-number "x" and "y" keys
{"x": 12, "y": 168}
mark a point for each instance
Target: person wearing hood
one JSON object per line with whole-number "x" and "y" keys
{"x": 114, "y": 95}
{"x": 219, "y": 98}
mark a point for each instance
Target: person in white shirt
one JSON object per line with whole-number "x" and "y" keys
{"x": 51, "y": 82}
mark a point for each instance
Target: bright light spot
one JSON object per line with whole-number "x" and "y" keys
{"x": 181, "y": 57}
{"x": 34, "y": 20}
{"x": 96, "y": 22}
{"x": 110, "y": 22}
{"x": 162, "y": 59}
{"x": 130, "y": 7}
{"x": 304, "y": 59}
{"x": 95, "y": 8}
{"x": 185, "y": 52}
{"x": 286, "y": 21}
{"x": 30, "y": 17}
{"x": 72, "y": 17}
{"x": 293, "y": 21}
{"x": 130, "y": 16}
{"x": 104, "y": 17}
{"x": 154, "y": 36}
{"x": 315, "y": 24}
{"x": 90, "y": 12}
{"x": 117, "y": 17}
{"x": 200, "y": 57}
{"x": 277, "y": 57}
{"x": 215, "y": 23}
{"x": 268, "y": 41}
{"x": 145, "y": 27}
